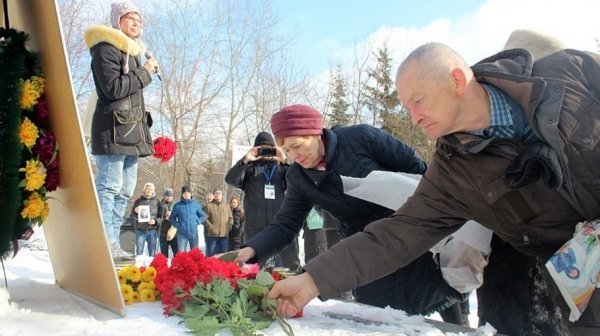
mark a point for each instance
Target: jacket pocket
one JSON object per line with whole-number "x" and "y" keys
{"x": 128, "y": 126}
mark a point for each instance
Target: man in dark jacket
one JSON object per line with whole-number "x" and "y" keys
{"x": 261, "y": 176}
{"x": 321, "y": 157}
{"x": 167, "y": 204}
{"x": 516, "y": 152}
{"x": 147, "y": 214}
{"x": 120, "y": 124}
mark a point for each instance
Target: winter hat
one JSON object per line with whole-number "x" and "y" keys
{"x": 186, "y": 189}
{"x": 538, "y": 44}
{"x": 264, "y": 138}
{"x": 297, "y": 120}
{"x": 118, "y": 9}
{"x": 168, "y": 192}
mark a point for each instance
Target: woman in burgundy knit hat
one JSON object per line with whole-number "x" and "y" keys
{"x": 321, "y": 157}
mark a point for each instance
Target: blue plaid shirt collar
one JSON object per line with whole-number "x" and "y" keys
{"x": 501, "y": 123}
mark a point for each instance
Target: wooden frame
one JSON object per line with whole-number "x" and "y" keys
{"x": 74, "y": 230}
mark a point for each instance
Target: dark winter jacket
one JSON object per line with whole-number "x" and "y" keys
{"x": 237, "y": 229}
{"x": 252, "y": 178}
{"x": 156, "y": 213}
{"x": 166, "y": 224}
{"x": 186, "y": 215}
{"x": 352, "y": 151}
{"x": 356, "y": 151}
{"x": 466, "y": 177}
{"x": 120, "y": 124}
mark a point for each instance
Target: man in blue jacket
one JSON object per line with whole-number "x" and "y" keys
{"x": 186, "y": 215}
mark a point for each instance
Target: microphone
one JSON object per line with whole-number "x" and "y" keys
{"x": 148, "y": 55}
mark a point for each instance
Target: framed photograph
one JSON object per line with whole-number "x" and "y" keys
{"x": 143, "y": 213}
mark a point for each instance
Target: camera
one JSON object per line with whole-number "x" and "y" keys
{"x": 267, "y": 151}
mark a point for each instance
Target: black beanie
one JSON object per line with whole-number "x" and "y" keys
{"x": 264, "y": 138}
{"x": 185, "y": 189}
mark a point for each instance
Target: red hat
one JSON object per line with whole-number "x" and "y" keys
{"x": 297, "y": 120}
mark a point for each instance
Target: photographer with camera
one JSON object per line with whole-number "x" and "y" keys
{"x": 260, "y": 174}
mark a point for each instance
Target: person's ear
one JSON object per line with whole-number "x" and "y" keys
{"x": 459, "y": 81}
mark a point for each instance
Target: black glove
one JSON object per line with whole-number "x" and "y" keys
{"x": 537, "y": 160}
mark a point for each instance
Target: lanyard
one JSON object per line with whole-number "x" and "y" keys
{"x": 270, "y": 176}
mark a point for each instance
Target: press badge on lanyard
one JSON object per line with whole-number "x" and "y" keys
{"x": 269, "y": 188}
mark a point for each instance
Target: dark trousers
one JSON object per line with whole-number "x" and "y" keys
{"x": 164, "y": 246}
{"x": 514, "y": 297}
{"x": 288, "y": 257}
{"x": 417, "y": 288}
{"x": 315, "y": 242}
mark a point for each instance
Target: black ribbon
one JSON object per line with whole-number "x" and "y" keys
{"x": 5, "y": 6}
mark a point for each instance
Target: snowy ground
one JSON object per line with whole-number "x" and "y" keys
{"x": 33, "y": 305}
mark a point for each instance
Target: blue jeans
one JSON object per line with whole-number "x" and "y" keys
{"x": 182, "y": 242}
{"x": 115, "y": 183}
{"x": 143, "y": 236}
{"x": 216, "y": 245}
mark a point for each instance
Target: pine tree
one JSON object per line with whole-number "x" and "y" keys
{"x": 339, "y": 105}
{"x": 381, "y": 98}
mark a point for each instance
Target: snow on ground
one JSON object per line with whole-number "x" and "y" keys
{"x": 33, "y": 305}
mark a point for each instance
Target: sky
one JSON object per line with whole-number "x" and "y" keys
{"x": 34, "y": 305}
{"x": 328, "y": 30}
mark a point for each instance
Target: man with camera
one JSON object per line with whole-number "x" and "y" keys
{"x": 261, "y": 176}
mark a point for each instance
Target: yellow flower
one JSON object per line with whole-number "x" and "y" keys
{"x": 135, "y": 297}
{"x": 149, "y": 274}
{"x": 28, "y": 133}
{"x": 34, "y": 206}
{"x": 32, "y": 90}
{"x": 127, "y": 292}
{"x": 133, "y": 273}
{"x": 129, "y": 301}
{"x": 35, "y": 175}
{"x": 147, "y": 295}
{"x": 122, "y": 274}
{"x": 45, "y": 212}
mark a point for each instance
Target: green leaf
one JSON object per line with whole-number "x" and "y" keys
{"x": 243, "y": 283}
{"x": 265, "y": 278}
{"x": 194, "y": 310}
{"x": 257, "y": 290}
{"x": 229, "y": 256}
{"x": 222, "y": 289}
{"x": 204, "y": 326}
{"x": 237, "y": 309}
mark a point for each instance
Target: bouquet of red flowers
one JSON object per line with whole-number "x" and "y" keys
{"x": 211, "y": 294}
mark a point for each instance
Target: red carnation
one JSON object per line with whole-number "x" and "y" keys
{"x": 52, "y": 176}
{"x": 41, "y": 110}
{"x": 164, "y": 148}
{"x": 45, "y": 147}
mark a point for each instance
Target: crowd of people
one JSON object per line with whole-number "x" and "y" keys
{"x": 517, "y": 138}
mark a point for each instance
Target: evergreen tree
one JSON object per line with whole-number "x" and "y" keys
{"x": 381, "y": 98}
{"x": 339, "y": 104}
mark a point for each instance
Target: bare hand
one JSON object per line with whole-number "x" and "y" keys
{"x": 151, "y": 222}
{"x": 151, "y": 65}
{"x": 293, "y": 294}
{"x": 252, "y": 155}
{"x": 280, "y": 155}
{"x": 245, "y": 254}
